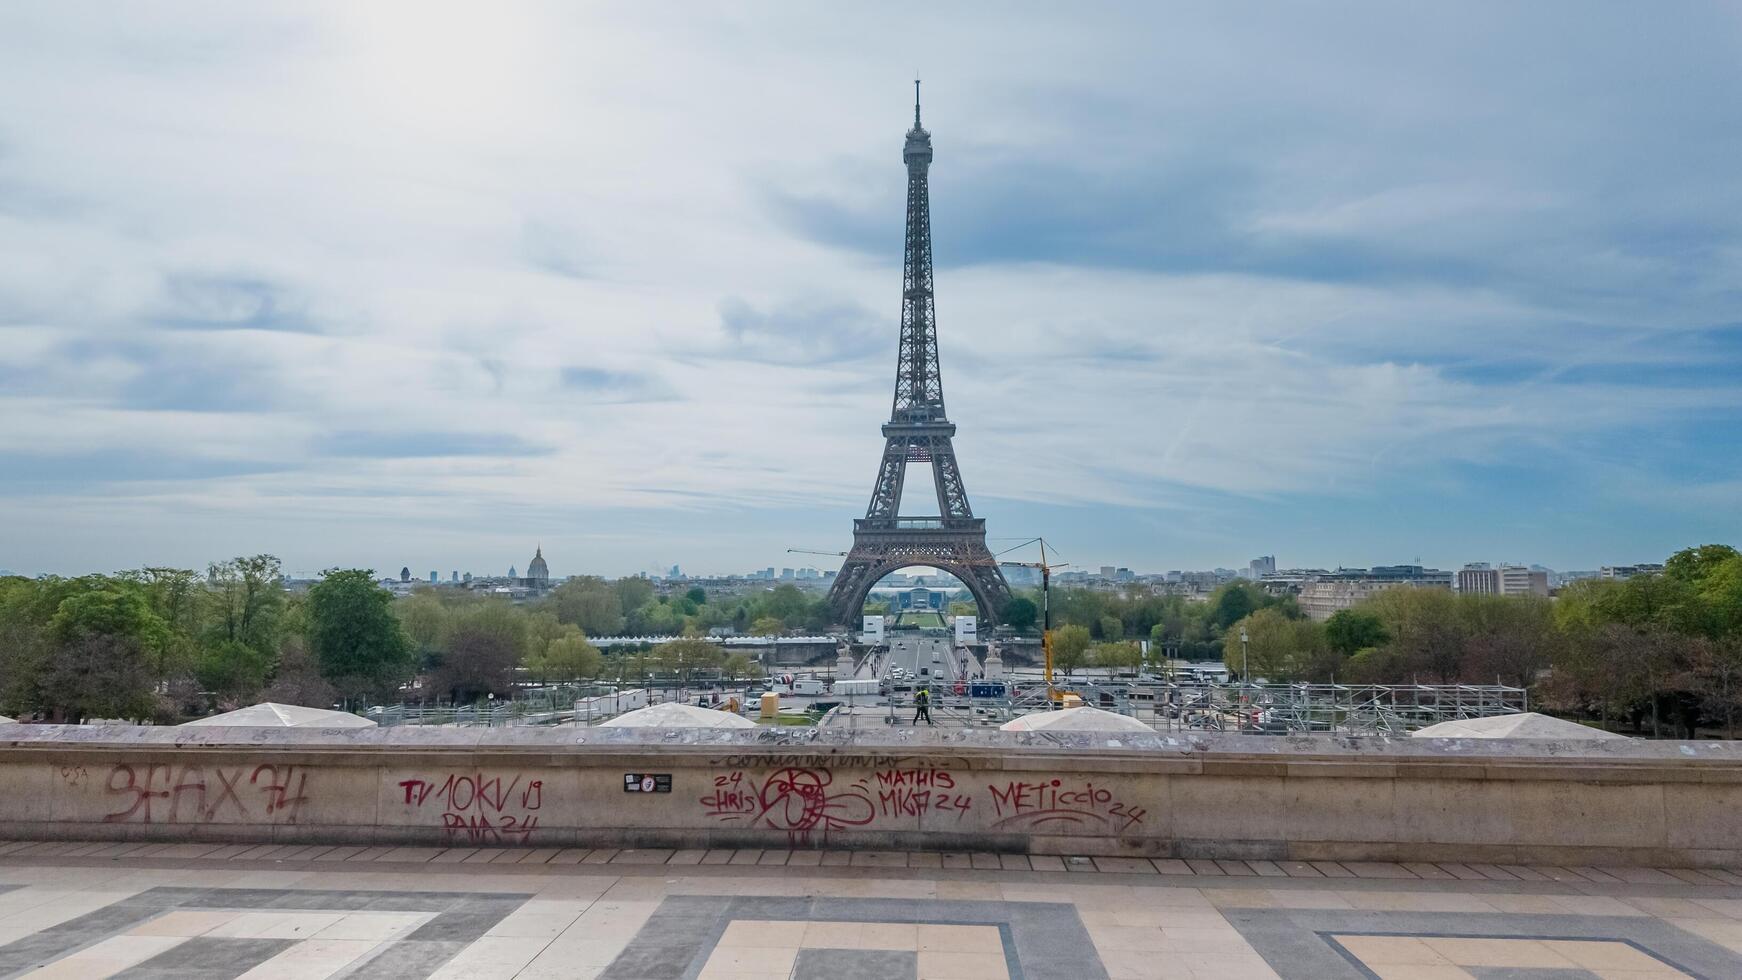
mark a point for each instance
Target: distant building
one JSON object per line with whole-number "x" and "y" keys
{"x": 1621, "y": 573}
{"x": 1259, "y": 567}
{"x": 405, "y": 573}
{"x": 675, "y": 572}
{"x": 537, "y": 572}
{"x": 1344, "y": 588}
{"x": 456, "y": 578}
{"x": 1107, "y": 571}
{"x": 513, "y": 572}
{"x": 921, "y": 598}
{"x": 1479, "y": 578}
{"x": 434, "y": 576}
{"x": 1521, "y": 580}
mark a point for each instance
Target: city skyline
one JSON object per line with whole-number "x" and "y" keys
{"x": 1441, "y": 285}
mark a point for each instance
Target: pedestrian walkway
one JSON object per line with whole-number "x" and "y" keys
{"x": 135, "y": 910}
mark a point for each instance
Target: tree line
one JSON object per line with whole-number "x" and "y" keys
{"x": 1662, "y": 653}
{"x": 166, "y": 644}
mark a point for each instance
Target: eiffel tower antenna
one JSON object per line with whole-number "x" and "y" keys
{"x": 918, "y": 431}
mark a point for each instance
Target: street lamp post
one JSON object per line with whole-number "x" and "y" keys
{"x": 1244, "y": 677}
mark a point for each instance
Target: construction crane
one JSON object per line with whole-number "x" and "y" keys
{"x": 807, "y": 551}
{"x": 1052, "y": 693}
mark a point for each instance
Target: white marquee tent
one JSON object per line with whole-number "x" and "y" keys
{"x": 1526, "y": 724}
{"x": 672, "y": 714}
{"x": 271, "y": 715}
{"x": 1083, "y": 719}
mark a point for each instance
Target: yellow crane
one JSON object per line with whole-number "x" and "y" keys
{"x": 1052, "y": 694}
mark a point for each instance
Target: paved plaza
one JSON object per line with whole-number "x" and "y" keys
{"x": 215, "y": 912}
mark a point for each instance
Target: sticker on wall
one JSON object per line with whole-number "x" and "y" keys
{"x": 646, "y": 782}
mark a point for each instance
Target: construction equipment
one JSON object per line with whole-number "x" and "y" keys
{"x": 1052, "y": 693}
{"x": 807, "y": 551}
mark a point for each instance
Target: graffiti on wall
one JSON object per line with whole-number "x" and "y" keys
{"x": 808, "y": 802}
{"x": 165, "y": 793}
{"x": 478, "y": 807}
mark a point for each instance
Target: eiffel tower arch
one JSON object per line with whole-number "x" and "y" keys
{"x": 918, "y": 431}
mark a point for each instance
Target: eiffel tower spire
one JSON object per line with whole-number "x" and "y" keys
{"x": 918, "y": 431}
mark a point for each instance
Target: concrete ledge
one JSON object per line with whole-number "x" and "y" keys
{"x": 1198, "y": 796}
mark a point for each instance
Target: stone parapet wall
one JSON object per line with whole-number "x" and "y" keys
{"x": 1215, "y": 796}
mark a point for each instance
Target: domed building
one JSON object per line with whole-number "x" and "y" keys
{"x": 537, "y": 573}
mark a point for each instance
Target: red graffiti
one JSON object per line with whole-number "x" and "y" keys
{"x": 157, "y": 793}
{"x": 484, "y": 809}
{"x": 915, "y": 792}
{"x": 1028, "y": 805}
{"x": 798, "y": 801}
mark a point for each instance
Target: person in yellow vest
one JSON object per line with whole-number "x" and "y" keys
{"x": 922, "y": 706}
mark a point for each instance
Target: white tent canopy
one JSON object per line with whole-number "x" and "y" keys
{"x": 271, "y": 715}
{"x": 1526, "y": 724}
{"x": 1083, "y": 719}
{"x": 672, "y": 714}
{"x": 6, "y": 721}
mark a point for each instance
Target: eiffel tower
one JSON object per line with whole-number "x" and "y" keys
{"x": 918, "y": 431}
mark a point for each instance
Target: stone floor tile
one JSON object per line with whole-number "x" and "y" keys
{"x": 1462, "y": 872}
{"x": 961, "y": 966}
{"x": 1077, "y": 862}
{"x": 1641, "y": 876}
{"x": 983, "y": 861}
{"x": 805, "y": 859}
{"x": 315, "y": 959}
{"x": 1300, "y": 869}
{"x": 106, "y": 958}
{"x": 1331, "y": 869}
{"x": 745, "y": 856}
{"x": 1377, "y": 869}
{"x": 643, "y": 855}
{"x": 1266, "y": 869}
{"x": 1125, "y": 865}
{"x": 959, "y": 938}
{"x": 373, "y": 926}
{"x": 1204, "y": 867}
{"x": 837, "y": 859}
{"x": 1428, "y": 872}
{"x": 1593, "y": 874}
{"x": 1511, "y": 953}
{"x": 1693, "y": 876}
{"x": 183, "y": 922}
{"x": 776, "y": 858}
{"x": 491, "y": 958}
{"x": 601, "y": 856}
{"x": 750, "y": 961}
{"x": 1553, "y": 873}
{"x": 1236, "y": 869}
{"x": 879, "y": 859}
{"x": 453, "y": 855}
{"x": 538, "y": 855}
{"x": 479, "y": 855}
{"x": 1013, "y": 862}
{"x": 678, "y": 858}
{"x": 1046, "y": 862}
{"x": 1493, "y": 872}
{"x": 1724, "y": 875}
{"x": 955, "y": 860}
{"x": 718, "y": 856}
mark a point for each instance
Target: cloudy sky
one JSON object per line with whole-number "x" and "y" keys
{"x": 364, "y": 284}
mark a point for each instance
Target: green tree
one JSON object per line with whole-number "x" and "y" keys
{"x": 1110, "y": 628}
{"x": 298, "y": 679}
{"x": 1118, "y": 656}
{"x": 683, "y": 657}
{"x": 1020, "y": 613}
{"x": 105, "y": 643}
{"x": 485, "y": 643}
{"x": 738, "y": 666}
{"x": 588, "y": 603}
{"x": 1070, "y": 648}
{"x": 697, "y": 595}
{"x": 1278, "y": 648}
{"x": 570, "y": 658}
{"x": 632, "y": 593}
{"x": 249, "y": 601}
{"x": 767, "y": 626}
{"x": 425, "y": 620}
{"x": 356, "y": 639}
{"x": 232, "y": 670}
{"x": 1349, "y": 631}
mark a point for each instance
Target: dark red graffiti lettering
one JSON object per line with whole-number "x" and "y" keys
{"x": 197, "y": 794}
{"x": 1026, "y": 805}
{"x": 482, "y": 808}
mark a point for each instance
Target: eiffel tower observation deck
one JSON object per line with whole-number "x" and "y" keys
{"x": 918, "y": 431}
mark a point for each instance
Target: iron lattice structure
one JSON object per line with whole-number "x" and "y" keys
{"x": 918, "y": 431}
